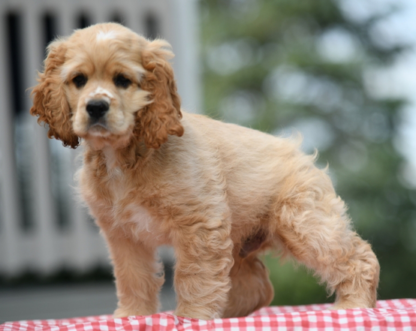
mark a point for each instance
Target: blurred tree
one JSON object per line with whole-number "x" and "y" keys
{"x": 282, "y": 64}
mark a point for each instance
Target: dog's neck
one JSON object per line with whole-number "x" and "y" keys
{"x": 110, "y": 158}
{"x": 123, "y": 156}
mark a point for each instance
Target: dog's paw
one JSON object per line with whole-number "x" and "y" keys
{"x": 348, "y": 305}
{"x": 122, "y": 312}
{"x": 201, "y": 314}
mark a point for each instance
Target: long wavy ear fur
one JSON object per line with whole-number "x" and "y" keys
{"x": 162, "y": 116}
{"x": 49, "y": 100}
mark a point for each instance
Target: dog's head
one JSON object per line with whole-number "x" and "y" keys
{"x": 106, "y": 84}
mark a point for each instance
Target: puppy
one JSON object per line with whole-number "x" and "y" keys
{"x": 220, "y": 194}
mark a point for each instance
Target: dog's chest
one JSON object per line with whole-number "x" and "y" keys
{"x": 138, "y": 221}
{"x": 128, "y": 213}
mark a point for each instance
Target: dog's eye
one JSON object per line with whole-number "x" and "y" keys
{"x": 121, "y": 81}
{"x": 80, "y": 80}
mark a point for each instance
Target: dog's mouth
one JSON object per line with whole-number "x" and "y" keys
{"x": 99, "y": 128}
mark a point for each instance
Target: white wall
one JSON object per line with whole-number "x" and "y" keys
{"x": 46, "y": 247}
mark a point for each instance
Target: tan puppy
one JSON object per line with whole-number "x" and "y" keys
{"x": 220, "y": 194}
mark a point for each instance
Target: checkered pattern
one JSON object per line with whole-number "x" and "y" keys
{"x": 389, "y": 315}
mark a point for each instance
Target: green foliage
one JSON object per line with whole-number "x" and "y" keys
{"x": 282, "y": 65}
{"x": 294, "y": 284}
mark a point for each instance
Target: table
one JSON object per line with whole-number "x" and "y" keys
{"x": 399, "y": 314}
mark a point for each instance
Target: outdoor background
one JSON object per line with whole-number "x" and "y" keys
{"x": 340, "y": 72}
{"x": 327, "y": 69}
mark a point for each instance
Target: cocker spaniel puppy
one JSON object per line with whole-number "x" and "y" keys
{"x": 220, "y": 194}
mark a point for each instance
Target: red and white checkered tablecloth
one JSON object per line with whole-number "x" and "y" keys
{"x": 389, "y": 315}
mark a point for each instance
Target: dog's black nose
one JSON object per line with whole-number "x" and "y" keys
{"x": 97, "y": 108}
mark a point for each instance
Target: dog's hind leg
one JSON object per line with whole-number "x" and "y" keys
{"x": 250, "y": 287}
{"x": 311, "y": 222}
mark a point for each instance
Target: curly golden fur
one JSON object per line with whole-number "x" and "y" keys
{"x": 220, "y": 194}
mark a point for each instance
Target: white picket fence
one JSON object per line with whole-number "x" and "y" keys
{"x": 42, "y": 227}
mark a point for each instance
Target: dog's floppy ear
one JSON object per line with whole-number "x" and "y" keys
{"x": 162, "y": 116}
{"x": 49, "y": 100}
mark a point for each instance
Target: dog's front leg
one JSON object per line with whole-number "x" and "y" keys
{"x": 137, "y": 274}
{"x": 203, "y": 263}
